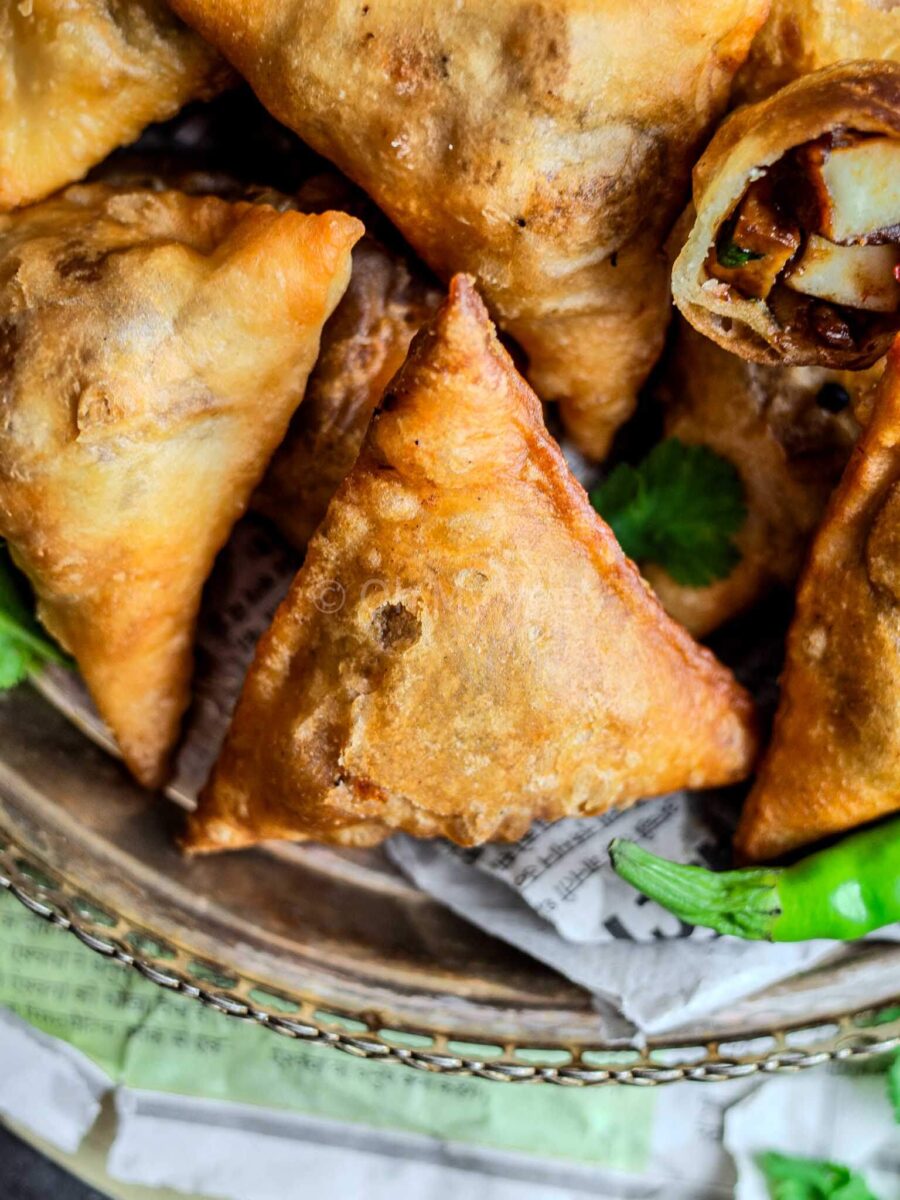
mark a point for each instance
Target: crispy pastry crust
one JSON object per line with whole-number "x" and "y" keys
{"x": 389, "y": 297}
{"x": 543, "y": 147}
{"x": 834, "y": 759}
{"x": 80, "y": 77}
{"x": 144, "y": 387}
{"x": 858, "y": 96}
{"x": 788, "y": 449}
{"x": 801, "y": 36}
{"x": 465, "y": 648}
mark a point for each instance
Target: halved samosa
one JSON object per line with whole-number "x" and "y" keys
{"x": 794, "y": 254}
{"x": 80, "y": 77}
{"x": 834, "y": 760}
{"x": 465, "y": 648}
{"x": 788, "y": 431}
{"x": 153, "y": 347}
{"x": 544, "y": 148}
{"x": 389, "y": 297}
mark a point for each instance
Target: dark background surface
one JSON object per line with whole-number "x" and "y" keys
{"x": 27, "y": 1175}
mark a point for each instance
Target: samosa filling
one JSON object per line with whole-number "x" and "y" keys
{"x": 817, "y": 237}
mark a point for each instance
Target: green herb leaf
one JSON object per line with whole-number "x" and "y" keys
{"x": 733, "y": 255}
{"x": 893, "y": 1084}
{"x": 23, "y": 644}
{"x": 790, "y": 1178}
{"x": 679, "y": 509}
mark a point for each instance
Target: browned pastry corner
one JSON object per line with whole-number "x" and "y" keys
{"x": 801, "y": 36}
{"x": 465, "y": 648}
{"x": 833, "y": 760}
{"x": 544, "y": 148}
{"x": 389, "y": 297}
{"x": 153, "y": 347}
{"x": 788, "y": 431}
{"x": 794, "y": 251}
{"x": 79, "y": 78}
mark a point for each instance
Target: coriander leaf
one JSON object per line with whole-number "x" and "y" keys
{"x": 14, "y": 663}
{"x": 733, "y": 255}
{"x": 790, "y": 1178}
{"x": 679, "y": 508}
{"x": 23, "y": 645}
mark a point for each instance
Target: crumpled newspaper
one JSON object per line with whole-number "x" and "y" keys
{"x": 634, "y": 958}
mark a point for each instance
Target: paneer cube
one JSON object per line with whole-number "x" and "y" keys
{"x": 855, "y": 276}
{"x": 859, "y": 189}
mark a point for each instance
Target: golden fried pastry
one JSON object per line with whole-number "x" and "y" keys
{"x": 801, "y": 36}
{"x": 465, "y": 648}
{"x": 834, "y": 759}
{"x": 390, "y": 295}
{"x": 544, "y": 148}
{"x": 80, "y": 77}
{"x": 788, "y": 431}
{"x": 153, "y": 347}
{"x": 794, "y": 254}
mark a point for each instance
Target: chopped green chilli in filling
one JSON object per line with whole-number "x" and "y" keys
{"x": 731, "y": 255}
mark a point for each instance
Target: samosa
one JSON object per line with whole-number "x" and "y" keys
{"x": 465, "y": 648}
{"x": 544, "y": 148}
{"x": 80, "y": 77}
{"x": 834, "y": 759}
{"x": 801, "y": 36}
{"x": 389, "y": 297}
{"x": 793, "y": 258}
{"x": 788, "y": 431}
{"x": 153, "y": 347}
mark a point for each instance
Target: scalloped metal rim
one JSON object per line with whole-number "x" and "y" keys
{"x": 852, "y": 1036}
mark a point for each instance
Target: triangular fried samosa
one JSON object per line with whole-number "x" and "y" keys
{"x": 153, "y": 347}
{"x": 834, "y": 759}
{"x": 544, "y": 148}
{"x": 80, "y": 77}
{"x": 465, "y": 648}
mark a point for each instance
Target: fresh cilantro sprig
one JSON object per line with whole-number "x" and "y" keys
{"x": 790, "y": 1178}
{"x": 23, "y": 645}
{"x": 679, "y": 508}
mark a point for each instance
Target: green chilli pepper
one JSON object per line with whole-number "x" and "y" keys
{"x": 733, "y": 255}
{"x": 842, "y": 892}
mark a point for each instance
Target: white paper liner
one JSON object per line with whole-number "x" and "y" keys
{"x": 47, "y": 1084}
{"x": 844, "y": 1118}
